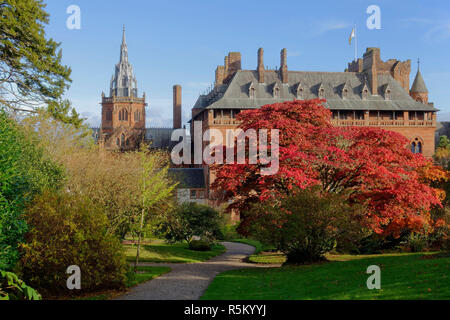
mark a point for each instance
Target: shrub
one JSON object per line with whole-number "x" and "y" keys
{"x": 67, "y": 229}
{"x": 305, "y": 226}
{"x": 199, "y": 245}
{"x": 25, "y": 170}
{"x": 188, "y": 220}
{"x": 417, "y": 242}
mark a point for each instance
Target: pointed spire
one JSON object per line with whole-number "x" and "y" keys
{"x": 123, "y": 47}
{"x": 123, "y": 36}
{"x": 419, "y": 84}
{"x": 123, "y": 83}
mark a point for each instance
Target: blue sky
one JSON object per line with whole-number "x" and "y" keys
{"x": 182, "y": 42}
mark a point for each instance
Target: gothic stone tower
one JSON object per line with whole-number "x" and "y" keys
{"x": 123, "y": 112}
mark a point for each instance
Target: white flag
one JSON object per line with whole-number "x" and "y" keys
{"x": 352, "y": 35}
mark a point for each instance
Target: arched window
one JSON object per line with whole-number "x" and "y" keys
{"x": 419, "y": 147}
{"x": 118, "y": 142}
{"x": 123, "y": 115}
{"x": 122, "y": 140}
{"x": 128, "y": 142}
{"x": 416, "y": 146}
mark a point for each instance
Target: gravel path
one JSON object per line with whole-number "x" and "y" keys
{"x": 188, "y": 281}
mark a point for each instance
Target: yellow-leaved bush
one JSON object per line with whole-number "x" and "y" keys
{"x": 69, "y": 229}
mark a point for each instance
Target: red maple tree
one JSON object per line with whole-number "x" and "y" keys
{"x": 371, "y": 165}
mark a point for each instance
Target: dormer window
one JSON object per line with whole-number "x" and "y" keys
{"x": 321, "y": 91}
{"x": 276, "y": 91}
{"x": 345, "y": 90}
{"x": 387, "y": 92}
{"x": 251, "y": 91}
{"x": 299, "y": 91}
{"x": 364, "y": 92}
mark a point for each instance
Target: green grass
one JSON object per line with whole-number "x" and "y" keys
{"x": 403, "y": 276}
{"x": 268, "y": 258}
{"x": 159, "y": 251}
{"x": 143, "y": 274}
{"x": 146, "y": 273}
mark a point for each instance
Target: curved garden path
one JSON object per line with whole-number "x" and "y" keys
{"x": 188, "y": 281}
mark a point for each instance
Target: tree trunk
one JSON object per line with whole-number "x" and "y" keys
{"x": 139, "y": 240}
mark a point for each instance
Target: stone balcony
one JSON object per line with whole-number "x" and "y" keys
{"x": 384, "y": 123}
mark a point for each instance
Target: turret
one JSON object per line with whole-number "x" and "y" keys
{"x": 419, "y": 91}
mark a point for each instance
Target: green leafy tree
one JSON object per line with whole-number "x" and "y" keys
{"x": 156, "y": 189}
{"x": 25, "y": 170}
{"x": 188, "y": 220}
{"x": 442, "y": 153}
{"x": 63, "y": 111}
{"x": 307, "y": 224}
{"x": 31, "y": 73}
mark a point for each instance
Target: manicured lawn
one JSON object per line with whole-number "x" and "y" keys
{"x": 159, "y": 251}
{"x": 143, "y": 274}
{"x": 146, "y": 273}
{"x": 268, "y": 258}
{"x": 403, "y": 276}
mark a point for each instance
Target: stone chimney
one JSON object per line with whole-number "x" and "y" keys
{"x": 234, "y": 62}
{"x": 219, "y": 75}
{"x": 371, "y": 58}
{"x": 283, "y": 66}
{"x": 260, "y": 68}
{"x": 177, "y": 106}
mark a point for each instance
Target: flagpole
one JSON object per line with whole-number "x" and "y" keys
{"x": 356, "y": 45}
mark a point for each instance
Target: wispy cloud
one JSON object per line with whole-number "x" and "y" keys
{"x": 435, "y": 29}
{"x": 330, "y": 25}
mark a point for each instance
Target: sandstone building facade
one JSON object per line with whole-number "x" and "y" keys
{"x": 123, "y": 124}
{"x": 370, "y": 92}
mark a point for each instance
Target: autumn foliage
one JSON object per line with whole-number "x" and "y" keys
{"x": 371, "y": 165}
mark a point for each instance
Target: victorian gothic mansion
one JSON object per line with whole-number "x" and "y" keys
{"x": 370, "y": 92}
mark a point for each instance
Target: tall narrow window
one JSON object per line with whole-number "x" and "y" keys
{"x": 122, "y": 140}
{"x": 413, "y": 147}
{"x": 419, "y": 147}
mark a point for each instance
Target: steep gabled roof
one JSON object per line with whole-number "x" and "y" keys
{"x": 234, "y": 95}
